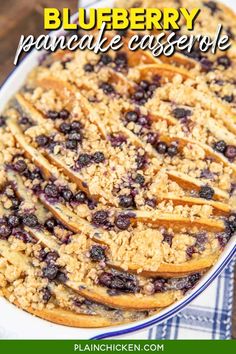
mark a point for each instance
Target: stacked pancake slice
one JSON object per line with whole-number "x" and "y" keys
{"x": 218, "y": 69}
{"x": 117, "y": 186}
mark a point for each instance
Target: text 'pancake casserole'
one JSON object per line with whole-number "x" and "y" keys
{"x": 118, "y": 178}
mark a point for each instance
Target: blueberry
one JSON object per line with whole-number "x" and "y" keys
{"x": 105, "y": 59}
{"x": 144, "y": 84}
{"x": 92, "y": 204}
{"x": 151, "y": 202}
{"x": 121, "y": 60}
{"x": 50, "y": 224}
{"x": 24, "y": 120}
{"x": 67, "y": 194}
{"x": 42, "y": 140}
{"x": 46, "y": 295}
{"x": 52, "y": 115}
{"x": 224, "y": 60}
{"x": 51, "y": 190}
{"x": 65, "y": 61}
{"x": 107, "y": 88}
{"x": 219, "y": 82}
{"x": 84, "y": 160}
{"x": 206, "y": 192}
{"x": 24, "y": 236}
{"x": 230, "y": 33}
{"x": 20, "y": 166}
{"x": 105, "y": 279}
{"x": 122, "y": 222}
{"x": 64, "y": 114}
{"x": 15, "y": 203}
{"x": 152, "y": 87}
{"x": 151, "y": 138}
{"x": 35, "y": 174}
{"x": 5, "y": 231}
{"x": 139, "y": 179}
{"x": 159, "y": 285}
{"x": 168, "y": 238}
{"x": 100, "y": 217}
{"x": 51, "y": 257}
{"x": 81, "y": 197}
{"x": 220, "y": 146}
{"x": 191, "y": 281}
{"x": 30, "y": 220}
{"x": 97, "y": 253}
{"x": 190, "y": 251}
{"x": 223, "y": 238}
{"x": 139, "y": 96}
{"x": 88, "y": 68}
{"x": 212, "y": 5}
{"x": 117, "y": 140}
{"x": 172, "y": 150}
{"x": 141, "y": 161}
{"x": 3, "y": 220}
{"x": 37, "y": 188}
{"x": 195, "y": 54}
{"x": 206, "y": 64}
{"x": 228, "y": 98}
{"x": 161, "y": 147}
{"x": 193, "y": 278}
{"x": 61, "y": 277}
{"x": 126, "y": 201}
{"x": 50, "y": 271}
{"x": 78, "y": 302}
{"x": 52, "y": 145}
{"x": 143, "y": 120}
{"x": 71, "y": 144}
{"x": 206, "y": 173}
{"x": 13, "y": 220}
{"x": 180, "y": 113}
{"x": 77, "y": 136}
{"x": 131, "y": 116}
{"x": 119, "y": 281}
{"x": 232, "y": 189}
{"x": 230, "y": 152}
{"x": 76, "y": 125}
{"x": 98, "y": 157}
{"x": 2, "y": 121}
{"x": 201, "y": 238}
{"x": 65, "y": 128}
{"x": 231, "y": 222}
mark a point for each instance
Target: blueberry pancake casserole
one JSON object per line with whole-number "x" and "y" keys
{"x": 117, "y": 178}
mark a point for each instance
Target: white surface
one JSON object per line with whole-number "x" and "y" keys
{"x": 230, "y": 3}
{"x": 15, "y": 323}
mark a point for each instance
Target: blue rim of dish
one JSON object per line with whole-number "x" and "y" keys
{"x": 172, "y": 312}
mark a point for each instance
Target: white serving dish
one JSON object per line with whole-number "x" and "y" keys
{"x": 15, "y": 323}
